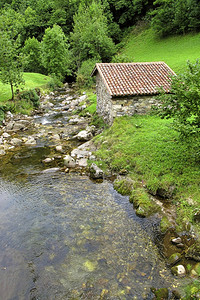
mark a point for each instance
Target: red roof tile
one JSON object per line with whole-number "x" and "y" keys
{"x": 124, "y": 79}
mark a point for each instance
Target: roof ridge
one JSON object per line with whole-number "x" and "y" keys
{"x": 132, "y": 63}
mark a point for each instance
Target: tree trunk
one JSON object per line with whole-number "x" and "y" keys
{"x": 12, "y": 90}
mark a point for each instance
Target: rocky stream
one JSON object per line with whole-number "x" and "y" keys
{"x": 64, "y": 235}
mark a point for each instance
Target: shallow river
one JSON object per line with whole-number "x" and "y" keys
{"x": 63, "y": 236}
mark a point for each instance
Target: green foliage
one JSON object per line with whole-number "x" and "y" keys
{"x": 120, "y": 58}
{"x": 55, "y": 53}
{"x": 32, "y": 53}
{"x": 183, "y": 103}
{"x": 54, "y": 82}
{"x": 172, "y": 17}
{"x": 90, "y": 38}
{"x": 193, "y": 290}
{"x": 84, "y": 78}
{"x": 10, "y": 61}
{"x": 31, "y": 95}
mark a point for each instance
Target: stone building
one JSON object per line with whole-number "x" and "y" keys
{"x": 129, "y": 88}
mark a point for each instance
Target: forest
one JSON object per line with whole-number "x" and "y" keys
{"x": 65, "y": 39}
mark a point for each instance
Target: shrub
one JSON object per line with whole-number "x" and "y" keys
{"x": 31, "y": 95}
{"x": 84, "y": 78}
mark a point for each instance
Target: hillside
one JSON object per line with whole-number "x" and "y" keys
{"x": 144, "y": 45}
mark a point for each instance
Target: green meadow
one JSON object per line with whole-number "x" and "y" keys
{"x": 32, "y": 80}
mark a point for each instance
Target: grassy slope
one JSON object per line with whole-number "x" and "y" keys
{"x": 149, "y": 148}
{"x": 32, "y": 80}
{"x": 175, "y": 51}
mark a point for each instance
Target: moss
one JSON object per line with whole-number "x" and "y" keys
{"x": 164, "y": 224}
{"x": 142, "y": 202}
{"x": 174, "y": 258}
{"x": 162, "y": 294}
{"x": 124, "y": 185}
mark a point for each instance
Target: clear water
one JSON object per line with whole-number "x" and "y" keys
{"x": 65, "y": 237}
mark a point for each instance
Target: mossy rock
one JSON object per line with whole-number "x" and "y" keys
{"x": 174, "y": 258}
{"x": 124, "y": 186}
{"x": 143, "y": 204}
{"x": 161, "y": 294}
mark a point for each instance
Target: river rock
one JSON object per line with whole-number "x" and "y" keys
{"x": 178, "y": 270}
{"x": 21, "y": 125}
{"x": 59, "y": 148}
{"x": 82, "y": 162}
{"x": 30, "y": 141}
{"x": 51, "y": 170}
{"x": 2, "y": 152}
{"x": 16, "y": 142}
{"x": 174, "y": 258}
{"x": 55, "y": 137}
{"x": 5, "y": 135}
{"x": 91, "y": 129}
{"x": 84, "y": 135}
{"x": 95, "y": 171}
{"x": 9, "y": 125}
{"x": 78, "y": 153}
{"x": 177, "y": 240}
{"x": 76, "y": 120}
{"x": 82, "y": 98}
{"x": 48, "y": 159}
{"x": 69, "y": 162}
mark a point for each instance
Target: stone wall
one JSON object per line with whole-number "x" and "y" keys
{"x": 109, "y": 107}
{"x": 104, "y": 100}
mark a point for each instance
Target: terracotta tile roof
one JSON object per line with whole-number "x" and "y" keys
{"x": 123, "y": 79}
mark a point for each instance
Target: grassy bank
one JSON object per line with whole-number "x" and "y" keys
{"x": 150, "y": 150}
{"x": 144, "y": 46}
{"x": 32, "y": 80}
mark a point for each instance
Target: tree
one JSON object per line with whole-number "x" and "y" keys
{"x": 55, "y": 53}
{"x": 183, "y": 103}
{"x": 90, "y": 38}
{"x": 10, "y": 57}
{"x": 10, "y": 62}
{"x": 32, "y": 53}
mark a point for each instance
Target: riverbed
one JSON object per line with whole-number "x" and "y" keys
{"x": 64, "y": 236}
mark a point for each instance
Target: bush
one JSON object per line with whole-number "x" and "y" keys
{"x": 183, "y": 103}
{"x": 54, "y": 82}
{"x": 31, "y": 95}
{"x": 84, "y": 78}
